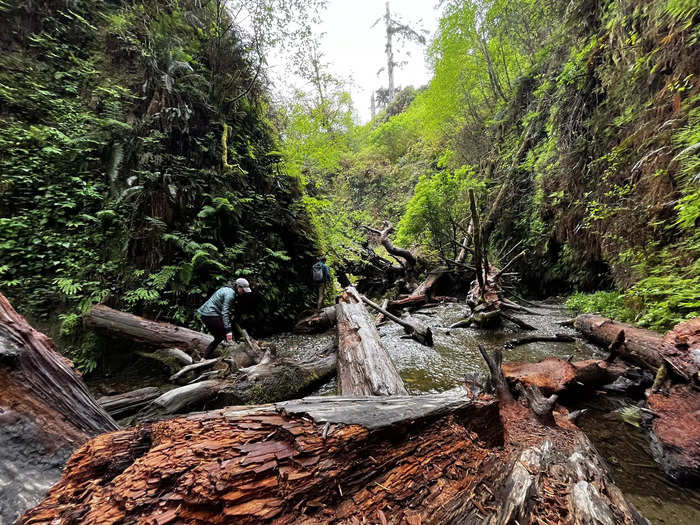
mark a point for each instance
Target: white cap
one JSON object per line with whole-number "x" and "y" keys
{"x": 243, "y": 283}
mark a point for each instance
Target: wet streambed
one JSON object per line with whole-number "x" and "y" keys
{"x": 455, "y": 355}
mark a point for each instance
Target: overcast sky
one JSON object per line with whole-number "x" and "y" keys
{"x": 355, "y": 51}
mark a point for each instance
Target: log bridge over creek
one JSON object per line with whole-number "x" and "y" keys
{"x": 498, "y": 451}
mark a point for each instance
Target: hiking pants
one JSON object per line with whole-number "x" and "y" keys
{"x": 321, "y": 291}
{"x": 215, "y": 325}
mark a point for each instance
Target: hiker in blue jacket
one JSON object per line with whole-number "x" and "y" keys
{"x": 217, "y": 313}
{"x": 321, "y": 275}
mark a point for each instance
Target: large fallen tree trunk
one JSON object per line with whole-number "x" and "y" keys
{"x": 442, "y": 458}
{"x": 160, "y": 335}
{"x": 268, "y": 381}
{"x": 364, "y": 365}
{"x": 679, "y": 349}
{"x": 46, "y": 412}
{"x": 553, "y": 375}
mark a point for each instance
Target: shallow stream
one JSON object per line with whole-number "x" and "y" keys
{"x": 455, "y": 355}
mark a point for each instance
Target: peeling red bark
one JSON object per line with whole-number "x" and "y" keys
{"x": 676, "y": 432}
{"x": 553, "y": 375}
{"x": 46, "y": 412}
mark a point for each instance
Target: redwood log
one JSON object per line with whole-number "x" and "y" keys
{"x": 679, "y": 348}
{"x": 46, "y": 412}
{"x": 135, "y": 328}
{"x": 675, "y": 433}
{"x": 553, "y": 375}
{"x": 364, "y": 365}
{"x": 442, "y": 458}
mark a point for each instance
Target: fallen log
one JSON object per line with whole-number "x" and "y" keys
{"x": 441, "y": 458}
{"x": 268, "y": 381}
{"x": 553, "y": 375}
{"x": 679, "y": 349}
{"x": 316, "y": 460}
{"x": 199, "y": 365}
{"x": 121, "y": 405}
{"x": 417, "y": 330}
{"x": 364, "y": 365}
{"x": 675, "y": 433}
{"x": 316, "y": 322}
{"x": 556, "y": 338}
{"x": 160, "y": 335}
{"x": 46, "y": 412}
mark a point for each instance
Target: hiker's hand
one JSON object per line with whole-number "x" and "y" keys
{"x": 229, "y": 337}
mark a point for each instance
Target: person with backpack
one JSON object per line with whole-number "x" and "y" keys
{"x": 217, "y": 313}
{"x": 321, "y": 275}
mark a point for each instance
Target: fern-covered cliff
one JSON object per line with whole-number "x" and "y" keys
{"x": 138, "y": 165}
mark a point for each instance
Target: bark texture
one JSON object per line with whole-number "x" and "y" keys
{"x": 310, "y": 461}
{"x": 46, "y": 412}
{"x": 443, "y": 458}
{"x": 675, "y": 436}
{"x": 553, "y": 375}
{"x": 679, "y": 349}
{"x": 364, "y": 365}
{"x": 135, "y": 328}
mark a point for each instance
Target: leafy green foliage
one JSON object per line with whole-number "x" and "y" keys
{"x": 112, "y": 185}
{"x": 438, "y": 214}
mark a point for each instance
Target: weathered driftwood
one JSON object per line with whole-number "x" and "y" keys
{"x": 316, "y": 322}
{"x": 46, "y": 412}
{"x": 417, "y": 330}
{"x": 270, "y": 380}
{"x": 679, "y": 349}
{"x": 364, "y": 365}
{"x": 121, "y": 405}
{"x": 199, "y": 365}
{"x": 135, "y": 328}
